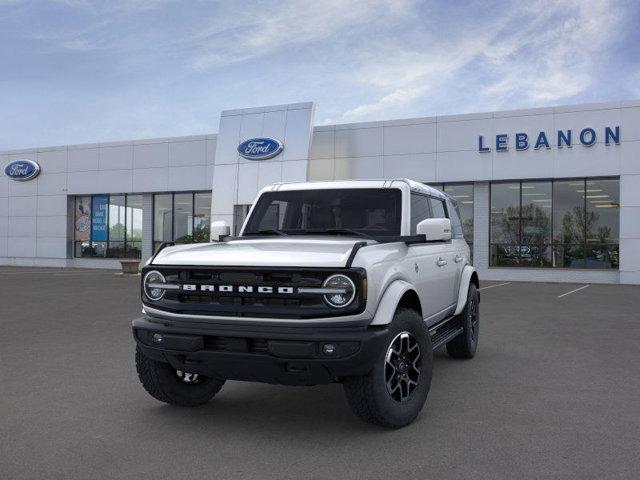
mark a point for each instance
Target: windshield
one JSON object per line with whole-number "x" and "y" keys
{"x": 359, "y": 211}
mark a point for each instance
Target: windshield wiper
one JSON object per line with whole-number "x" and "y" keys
{"x": 339, "y": 231}
{"x": 267, "y": 232}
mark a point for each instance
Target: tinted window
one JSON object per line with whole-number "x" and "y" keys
{"x": 375, "y": 212}
{"x": 240, "y": 213}
{"x": 454, "y": 215}
{"x": 420, "y": 210}
{"x": 437, "y": 208}
{"x": 462, "y": 194}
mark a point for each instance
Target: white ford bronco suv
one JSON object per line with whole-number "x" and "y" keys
{"x": 354, "y": 282}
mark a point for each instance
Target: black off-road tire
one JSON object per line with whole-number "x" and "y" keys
{"x": 368, "y": 395}
{"x": 466, "y": 344}
{"x": 163, "y": 383}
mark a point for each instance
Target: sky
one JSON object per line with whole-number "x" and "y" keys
{"x": 80, "y": 71}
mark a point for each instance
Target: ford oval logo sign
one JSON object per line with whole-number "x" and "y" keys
{"x": 260, "y": 148}
{"x": 22, "y": 170}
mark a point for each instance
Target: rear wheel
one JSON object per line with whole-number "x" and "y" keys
{"x": 172, "y": 386}
{"x": 466, "y": 344}
{"x": 393, "y": 393}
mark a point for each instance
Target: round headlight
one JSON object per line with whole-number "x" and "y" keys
{"x": 151, "y": 281}
{"x": 343, "y": 291}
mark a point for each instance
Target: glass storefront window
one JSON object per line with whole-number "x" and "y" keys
{"x": 82, "y": 226}
{"x": 134, "y": 226}
{"x": 162, "y": 219}
{"x": 603, "y": 223}
{"x": 569, "y": 223}
{"x": 201, "y": 217}
{"x": 505, "y": 224}
{"x": 603, "y": 211}
{"x": 535, "y": 243}
{"x": 117, "y": 220}
{"x": 108, "y": 226}
{"x": 183, "y": 217}
{"x": 563, "y": 224}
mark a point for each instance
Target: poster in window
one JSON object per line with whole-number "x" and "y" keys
{"x": 99, "y": 217}
{"x": 83, "y": 219}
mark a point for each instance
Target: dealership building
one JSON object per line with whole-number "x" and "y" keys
{"x": 548, "y": 194}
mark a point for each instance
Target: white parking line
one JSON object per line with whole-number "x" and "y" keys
{"x": 496, "y": 285}
{"x": 81, "y": 273}
{"x": 573, "y": 291}
{"x": 33, "y": 272}
{"x": 55, "y": 273}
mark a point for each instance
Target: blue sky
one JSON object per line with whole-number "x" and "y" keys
{"x": 76, "y": 71}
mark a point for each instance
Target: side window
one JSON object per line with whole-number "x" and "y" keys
{"x": 454, "y": 215}
{"x": 437, "y": 207}
{"x": 419, "y": 210}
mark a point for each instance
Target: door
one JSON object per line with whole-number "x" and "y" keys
{"x": 447, "y": 258}
{"x": 429, "y": 265}
{"x": 431, "y": 279}
{"x": 461, "y": 250}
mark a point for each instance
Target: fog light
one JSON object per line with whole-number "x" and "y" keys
{"x": 157, "y": 338}
{"x": 328, "y": 348}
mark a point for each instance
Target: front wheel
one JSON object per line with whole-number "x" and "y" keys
{"x": 466, "y": 344}
{"x": 393, "y": 393}
{"x": 172, "y": 386}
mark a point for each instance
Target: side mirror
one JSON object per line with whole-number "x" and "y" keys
{"x": 219, "y": 230}
{"x": 435, "y": 229}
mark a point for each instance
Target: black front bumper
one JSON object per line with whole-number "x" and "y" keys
{"x": 281, "y": 355}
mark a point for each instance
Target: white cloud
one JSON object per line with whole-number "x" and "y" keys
{"x": 163, "y": 67}
{"x": 404, "y": 77}
{"x": 554, "y": 63}
{"x": 397, "y": 98}
{"x": 260, "y": 32}
{"x": 543, "y": 52}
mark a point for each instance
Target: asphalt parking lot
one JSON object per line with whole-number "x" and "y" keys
{"x": 554, "y": 392}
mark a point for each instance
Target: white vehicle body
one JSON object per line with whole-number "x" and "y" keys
{"x": 351, "y": 282}
{"x": 436, "y": 273}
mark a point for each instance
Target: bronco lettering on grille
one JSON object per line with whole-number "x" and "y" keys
{"x": 189, "y": 287}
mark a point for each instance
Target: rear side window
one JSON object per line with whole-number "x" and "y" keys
{"x": 420, "y": 210}
{"x": 437, "y": 208}
{"x": 454, "y": 215}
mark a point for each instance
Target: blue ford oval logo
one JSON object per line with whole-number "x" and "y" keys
{"x": 22, "y": 170}
{"x": 260, "y": 148}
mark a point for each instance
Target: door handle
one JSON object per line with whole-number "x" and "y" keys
{"x": 441, "y": 262}
{"x": 458, "y": 258}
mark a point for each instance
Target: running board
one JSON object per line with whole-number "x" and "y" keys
{"x": 444, "y": 333}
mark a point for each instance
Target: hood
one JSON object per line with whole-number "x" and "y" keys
{"x": 308, "y": 251}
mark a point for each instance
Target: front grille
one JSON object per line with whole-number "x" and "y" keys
{"x": 237, "y": 303}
